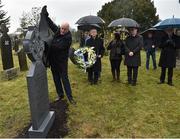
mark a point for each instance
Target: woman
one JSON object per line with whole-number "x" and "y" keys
{"x": 133, "y": 45}
{"x": 116, "y": 50}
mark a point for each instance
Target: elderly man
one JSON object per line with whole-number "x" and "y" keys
{"x": 58, "y": 57}
{"x": 133, "y": 45}
{"x": 97, "y": 43}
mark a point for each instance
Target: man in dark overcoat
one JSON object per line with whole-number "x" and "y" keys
{"x": 97, "y": 43}
{"x": 168, "y": 56}
{"x": 133, "y": 45}
{"x": 58, "y": 57}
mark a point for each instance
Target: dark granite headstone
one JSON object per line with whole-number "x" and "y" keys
{"x": 16, "y": 44}
{"x": 22, "y": 60}
{"x": 42, "y": 118}
{"x": 6, "y": 53}
{"x": 6, "y": 49}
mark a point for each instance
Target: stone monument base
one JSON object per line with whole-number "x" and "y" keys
{"x": 9, "y": 74}
{"x": 44, "y": 128}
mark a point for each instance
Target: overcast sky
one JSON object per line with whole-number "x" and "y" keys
{"x": 72, "y": 10}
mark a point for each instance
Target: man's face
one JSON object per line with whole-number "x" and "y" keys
{"x": 169, "y": 31}
{"x": 149, "y": 35}
{"x": 64, "y": 29}
{"x": 93, "y": 32}
{"x": 133, "y": 31}
{"x": 86, "y": 34}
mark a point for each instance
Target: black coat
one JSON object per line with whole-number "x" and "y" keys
{"x": 148, "y": 44}
{"x": 98, "y": 45}
{"x": 116, "y": 50}
{"x": 168, "y": 52}
{"x": 133, "y": 44}
{"x": 59, "y": 49}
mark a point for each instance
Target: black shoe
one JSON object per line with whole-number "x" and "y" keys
{"x": 113, "y": 80}
{"x": 72, "y": 101}
{"x": 170, "y": 84}
{"x": 161, "y": 82}
{"x": 129, "y": 82}
{"x": 133, "y": 83}
{"x": 59, "y": 98}
{"x": 91, "y": 82}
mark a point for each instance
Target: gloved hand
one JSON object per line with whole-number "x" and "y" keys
{"x": 44, "y": 11}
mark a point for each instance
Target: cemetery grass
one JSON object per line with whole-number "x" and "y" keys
{"x": 104, "y": 110}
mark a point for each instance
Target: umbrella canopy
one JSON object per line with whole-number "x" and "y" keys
{"x": 156, "y": 32}
{"x": 168, "y": 23}
{"x": 88, "y": 27}
{"x": 124, "y": 22}
{"x": 90, "y": 20}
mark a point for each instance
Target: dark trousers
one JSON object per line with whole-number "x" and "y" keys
{"x": 61, "y": 80}
{"x": 153, "y": 55}
{"x": 163, "y": 74}
{"x": 93, "y": 75}
{"x": 115, "y": 68}
{"x": 132, "y": 73}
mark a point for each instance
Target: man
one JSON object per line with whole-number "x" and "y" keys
{"x": 149, "y": 46}
{"x": 84, "y": 39}
{"x": 133, "y": 45}
{"x": 97, "y": 43}
{"x": 58, "y": 57}
{"x": 168, "y": 56}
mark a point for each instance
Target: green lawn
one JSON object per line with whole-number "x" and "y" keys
{"x": 106, "y": 110}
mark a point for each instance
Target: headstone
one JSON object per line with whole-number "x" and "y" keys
{"x": 42, "y": 118}
{"x": 6, "y": 53}
{"x": 16, "y": 44}
{"x": 9, "y": 73}
{"x": 6, "y": 49}
{"x": 22, "y": 60}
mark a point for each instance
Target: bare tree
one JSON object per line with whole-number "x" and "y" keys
{"x": 30, "y": 18}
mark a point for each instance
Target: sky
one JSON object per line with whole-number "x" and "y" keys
{"x": 72, "y": 10}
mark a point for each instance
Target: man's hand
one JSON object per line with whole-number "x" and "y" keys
{"x": 153, "y": 46}
{"x": 44, "y": 11}
{"x": 131, "y": 53}
{"x": 99, "y": 56}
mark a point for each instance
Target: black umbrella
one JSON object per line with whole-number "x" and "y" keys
{"x": 124, "y": 22}
{"x": 157, "y": 33}
{"x": 90, "y": 20}
{"x": 88, "y": 27}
